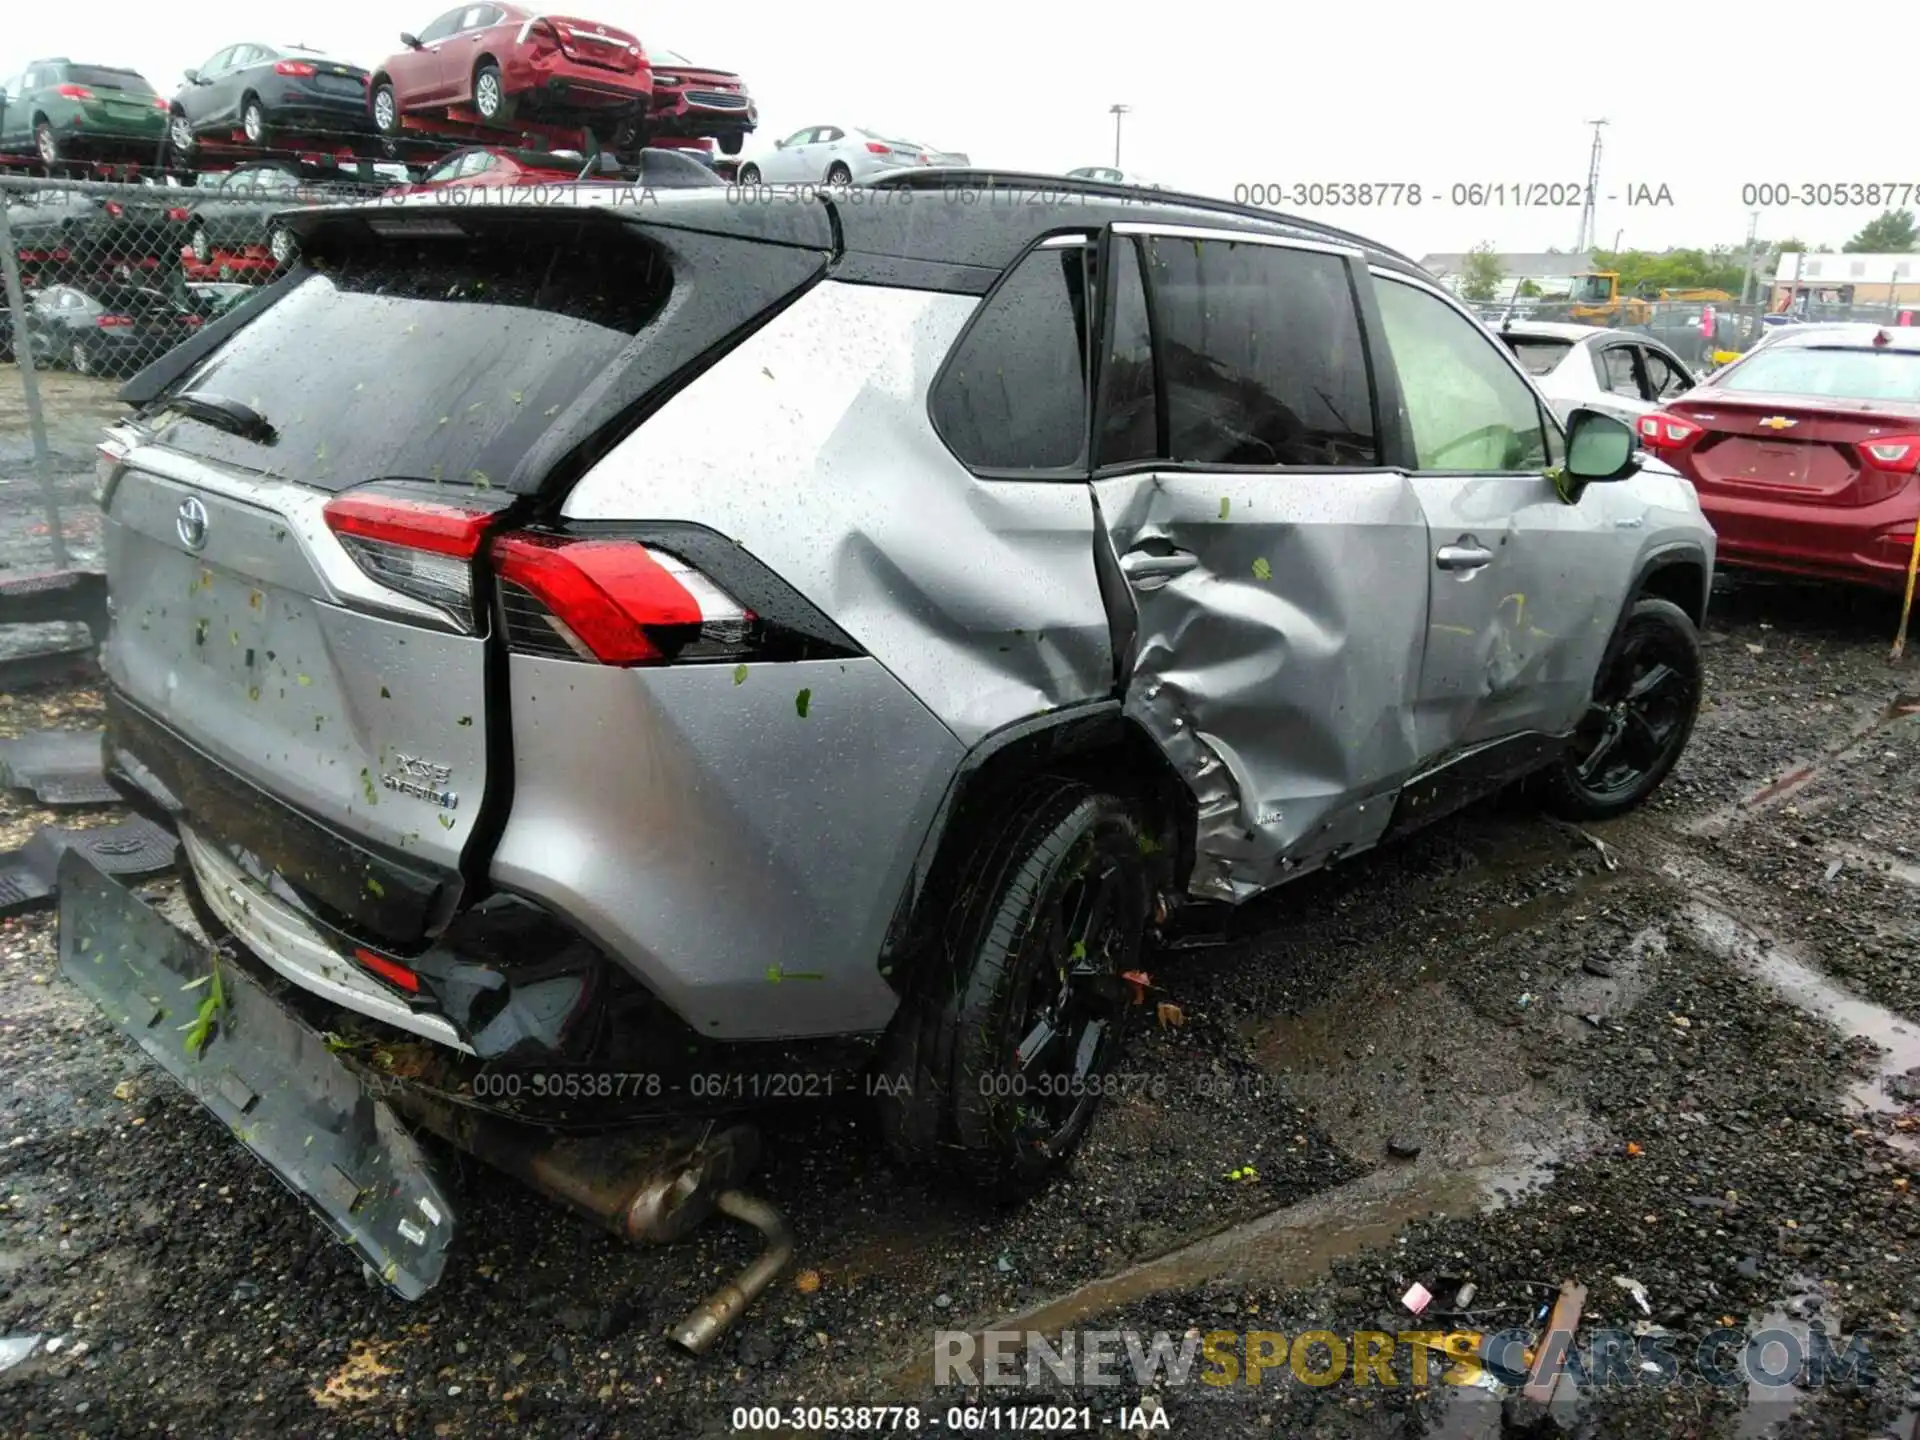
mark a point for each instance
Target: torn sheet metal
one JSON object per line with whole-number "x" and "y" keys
{"x": 1277, "y": 656}
{"x": 269, "y": 1078}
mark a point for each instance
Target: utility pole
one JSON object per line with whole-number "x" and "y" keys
{"x": 1117, "y": 111}
{"x": 1589, "y": 228}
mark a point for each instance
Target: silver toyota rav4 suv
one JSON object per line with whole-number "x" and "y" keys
{"x": 828, "y": 634}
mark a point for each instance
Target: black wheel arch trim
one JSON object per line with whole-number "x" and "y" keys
{"x": 991, "y": 775}
{"x": 1677, "y": 555}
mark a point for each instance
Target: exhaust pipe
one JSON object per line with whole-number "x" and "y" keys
{"x": 715, "y": 1315}
{"x": 648, "y": 1187}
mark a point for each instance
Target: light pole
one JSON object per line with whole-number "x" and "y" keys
{"x": 1589, "y": 219}
{"x": 1117, "y": 111}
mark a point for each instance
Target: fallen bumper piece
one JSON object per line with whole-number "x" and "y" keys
{"x": 268, "y": 1076}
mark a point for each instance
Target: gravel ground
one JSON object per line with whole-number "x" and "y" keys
{"x": 1629, "y": 1070}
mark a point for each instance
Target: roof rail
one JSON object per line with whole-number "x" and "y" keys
{"x": 936, "y": 177}
{"x": 51, "y": 60}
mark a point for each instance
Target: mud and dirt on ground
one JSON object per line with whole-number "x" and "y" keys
{"x": 1481, "y": 1056}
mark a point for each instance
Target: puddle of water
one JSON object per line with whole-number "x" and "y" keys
{"x": 1805, "y": 986}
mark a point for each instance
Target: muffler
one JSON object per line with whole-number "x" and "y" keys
{"x": 650, "y": 1187}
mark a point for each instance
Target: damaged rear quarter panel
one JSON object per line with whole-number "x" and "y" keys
{"x": 810, "y": 445}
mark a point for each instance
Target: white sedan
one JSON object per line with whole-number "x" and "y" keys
{"x": 1618, "y": 372}
{"x": 836, "y": 155}
{"x": 1108, "y": 175}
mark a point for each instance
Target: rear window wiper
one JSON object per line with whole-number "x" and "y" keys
{"x": 224, "y": 414}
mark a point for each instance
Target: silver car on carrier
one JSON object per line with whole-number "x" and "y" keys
{"x": 696, "y": 639}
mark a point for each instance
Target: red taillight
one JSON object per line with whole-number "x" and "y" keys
{"x": 614, "y": 601}
{"x": 112, "y": 322}
{"x": 176, "y": 213}
{"x": 1661, "y": 431}
{"x": 189, "y": 319}
{"x": 292, "y": 67}
{"x": 420, "y": 547}
{"x": 1897, "y": 453}
{"x": 160, "y": 103}
{"x": 878, "y": 149}
{"x": 116, "y": 209}
{"x": 391, "y": 971}
{"x": 73, "y": 92}
{"x": 416, "y": 524}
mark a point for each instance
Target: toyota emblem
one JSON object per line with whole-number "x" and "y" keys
{"x": 191, "y": 523}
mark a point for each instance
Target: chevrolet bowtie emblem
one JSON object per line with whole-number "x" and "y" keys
{"x": 1779, "y": 422}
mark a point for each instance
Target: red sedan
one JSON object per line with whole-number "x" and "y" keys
{"x": 504, "y": 62}
{"x": 485, "y": 165}
{"x": 694, "y": 100}
{"x": 1805, "y": 453}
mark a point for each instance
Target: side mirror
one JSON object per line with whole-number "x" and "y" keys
{"x": 779, "y": 144}
{"x": 192, "y": 77}
{"x": 1599, "y": 449}
{"x": 412, "y": 42}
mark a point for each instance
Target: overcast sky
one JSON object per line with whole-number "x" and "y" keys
{"x": 1230, "y": 94}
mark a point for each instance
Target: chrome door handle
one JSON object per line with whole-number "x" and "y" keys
{"x": 1153, "y": 565}
{"x": 1462, "y": 557}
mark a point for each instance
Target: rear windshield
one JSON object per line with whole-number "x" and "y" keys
{"x": 428, "y": 359}
{"x": 1829, "y": 372}
{"x": 95, "y": 78}
{"x": 1537, "y": 354}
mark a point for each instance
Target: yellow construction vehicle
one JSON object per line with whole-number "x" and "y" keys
{"x": 1597, "y": 299}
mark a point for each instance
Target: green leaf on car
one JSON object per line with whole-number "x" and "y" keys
{"x": 802, "y": 701}
{"x": 1262, "y": 570}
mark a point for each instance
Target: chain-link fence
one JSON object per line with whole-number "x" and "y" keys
{"x": 101, "y": 280}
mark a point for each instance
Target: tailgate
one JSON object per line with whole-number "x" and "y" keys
{"x": 247, "y": 646}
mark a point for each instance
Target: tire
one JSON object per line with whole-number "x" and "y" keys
{"x": 490, "y": 99}
{"x": 282, "y": 246}
{"x": 253, "y": 122}
{"x": 749, "y": 175}
{"x": 1049, "y": 911}
{"x": 80, "y": 359}
{"x": 46, "y": 144}
{"x": 386, "y": 108}
{"x": 839, "y": 174}
{"x": 1645, "y": 701}
{"x": 180, "y": 137}
{"x": 732, "y": 144}
{"x": 202, "y": 245}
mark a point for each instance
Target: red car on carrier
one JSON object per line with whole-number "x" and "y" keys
{"x": 698, "y": 101}
{"x": 1805, "y": 453}
{"x": 506, "y": 63}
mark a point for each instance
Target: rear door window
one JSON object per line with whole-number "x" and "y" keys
{"x": 1259, "y": 354}
{"x": 1618, "y": 374}
{"x": 428, "y": 359}
{"x": 1013, "y": 394}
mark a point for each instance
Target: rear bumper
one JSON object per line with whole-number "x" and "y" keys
{"x": 269, "y": 1077}
{"x": 1821, "y": 542}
